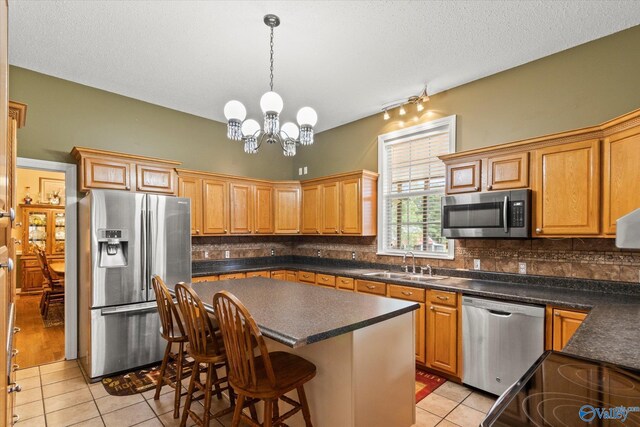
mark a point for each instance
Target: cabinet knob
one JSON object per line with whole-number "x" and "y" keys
{"x": 11, "y": 214}
{"x": 407, "y": 293}
{"x": 226, "y": 231}
{"x": 8, "y": 265}
{"x": 15, "y": 367}
{"x": 489, "y": 187}
{"x": 538, "y": 230}
{"x": 17, "y": 242}
{"x": 128, "y": 187}
{"x": 475, "y": 188}
{"x": 556, "y": 314}
{"x": 432, "y": 308}
{"x": 13, "y": 387}
{"x": 197, "y": 231}
{"x": 14, "y": 352}
{"x": 442, "y": 298}
{"x": 16, "y": 329}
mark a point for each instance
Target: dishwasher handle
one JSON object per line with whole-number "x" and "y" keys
{"x": 499, "y": 313}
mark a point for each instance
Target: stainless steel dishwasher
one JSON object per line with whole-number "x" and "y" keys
{"x": 500, "y": 341}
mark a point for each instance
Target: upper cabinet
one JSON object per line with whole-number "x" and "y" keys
{"x": 191, "y": 188}
{"x": 567, "y": 189}
{"x": 621, "y": 173}
{"x": 241, "y": 208}
{"x": 340, "y": 204}
{"x": 582, "y": 180}
{"x": 263, "y": 209}
{"x": 99, "y": 169}
{"x": 287, "y": 208}
{"x": 215, "y": 217}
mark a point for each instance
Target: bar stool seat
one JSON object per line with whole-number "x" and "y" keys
{"x": 290, "y": 372}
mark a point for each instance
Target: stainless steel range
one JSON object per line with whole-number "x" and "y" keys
{"x": 125, "y": 238}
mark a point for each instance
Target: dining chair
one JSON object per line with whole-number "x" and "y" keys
{"x": 172, "y": 330}
{"x": 52, "y": 287}
{"x": 206, "y": 347}
{"x": 267, "y": 376}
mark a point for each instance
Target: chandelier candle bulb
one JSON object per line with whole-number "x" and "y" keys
{"x": 402, "y": 110}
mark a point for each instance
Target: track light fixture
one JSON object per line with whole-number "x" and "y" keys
{"x": 417, "y": 100}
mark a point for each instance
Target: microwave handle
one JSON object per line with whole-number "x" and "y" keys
{"x": 505, "y": 214}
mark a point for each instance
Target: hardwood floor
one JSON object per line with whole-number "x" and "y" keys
{"x": 37, "y": 345}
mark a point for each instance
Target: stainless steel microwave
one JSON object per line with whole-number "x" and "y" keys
{"x": 499, "y": 214}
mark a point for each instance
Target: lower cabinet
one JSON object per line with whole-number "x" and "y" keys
{"x": 369, "y": 287}
{"x": 444, "y": 318}
{"x": 326, "y": 280}
{"x": 307, "y": 277}
{"x": 232, "y": 276}
{"x": 211, "y": 278}
{"x": 407, "y": 293}
{"x": 291, "y": 276}
{"x": 561, "y": 325}
{"x": 345, "y": 283}
{"x": 258, "y": 274}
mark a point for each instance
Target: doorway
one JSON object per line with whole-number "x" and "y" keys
{"x": 45, "y": 236}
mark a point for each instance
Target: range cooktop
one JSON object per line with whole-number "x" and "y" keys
{"x": 560, "y": 390}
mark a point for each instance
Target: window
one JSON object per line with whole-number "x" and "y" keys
{"x": 411, "y": 183}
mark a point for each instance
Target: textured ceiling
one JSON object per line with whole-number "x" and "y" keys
{"x": 345, "y": 59}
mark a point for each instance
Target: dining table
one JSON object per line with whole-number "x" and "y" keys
{"x": 57, "y": 268}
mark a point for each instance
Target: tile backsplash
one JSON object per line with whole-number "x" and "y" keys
{"x": 597, "y": 259}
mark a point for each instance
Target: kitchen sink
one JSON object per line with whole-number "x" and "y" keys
{"x": 404, "y": 276}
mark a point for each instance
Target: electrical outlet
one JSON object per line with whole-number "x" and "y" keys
{"x": 206, "y": 254}
{"x": 476, "y": 264}
{"x": 227, "y": 254}
{"x": 318, "y": 253}
{"x": 305, "y": 170}
{"x": 299, "y": 171}
{"x": 522, "y": 267}
{"x": 353, "y": 255}
{"x": 273, "y": 252}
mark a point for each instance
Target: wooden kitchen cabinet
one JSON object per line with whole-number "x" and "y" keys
{"x": 326, "y": 280}
{"x": 370, "y": 287}
{"x": 330, "y": 208}
{"x": 191, "y": 188}
{"x": 287, "y": 209}
{"x": 291, "y": 276}
{"x": 508, "y": 171}
{"x": 241, "y": 208}
{"x": 215, "y": 207}
{"x": 311, "y": 209}
{"x": 561, "y": 325}
{"x": 567, "y": 189}
{"x": 345, "y": 283}
{"x": 307, "y": 277}
{"x": 463, "y": 177}
{"x": 263, "y": 209}
{"x": 620, "y": 176}
{"x": 101, "y": 169}
{"x": 407, "y": 293}
{"x": 351, "y": 209}
{"x": 443, "y": 334}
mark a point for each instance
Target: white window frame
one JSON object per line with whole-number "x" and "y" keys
{"x": 399, "y": 136}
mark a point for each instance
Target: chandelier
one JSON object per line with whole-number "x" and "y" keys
{"x": 289, "y": 135}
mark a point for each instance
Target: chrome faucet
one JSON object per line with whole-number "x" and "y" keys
{"x": 428, "y": 268}
{"x": 404, "y": 262}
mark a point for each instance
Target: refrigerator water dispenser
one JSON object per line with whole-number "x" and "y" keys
{"x": 112, "y": 248}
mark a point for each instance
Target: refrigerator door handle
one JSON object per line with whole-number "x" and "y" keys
{"x": 121, "y": 310}
{"x": 150, "y": 246}
{"x": 143, "y": 251}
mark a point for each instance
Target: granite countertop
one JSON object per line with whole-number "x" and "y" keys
{"x": 296, "y": 315}
{"x": 610, "y": 333}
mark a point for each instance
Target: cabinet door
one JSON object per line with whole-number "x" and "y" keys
{"x": 621, "y": 176}
{"x": 567, "y": 189}
{"x": 565, "y": 324}
{"x": 350, "y": 206}
{"x": 421, "y": 334}
{"x": 330, "y": 208}
{"x": 287, "y": 217}
{"x": 241, "y": 208}
{"x": 32, "y": 279}
{"x": 442, "y": 338}
{"x": 463, "y": 177}
{"x": 57, "y": 234}
{"x": 106, "y": 174}
{"x": 36, "y": 231}
{"x": 155, "y": 179}
{"x": 263, "y": 209}
{"x": 311, "y": 206}
{"x": 509, "y": 171}
{"x": 191, "y": 188}
{"x": 214, "y": 216}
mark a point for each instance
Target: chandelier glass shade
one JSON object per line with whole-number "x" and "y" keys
{"x": 289, "y": 135}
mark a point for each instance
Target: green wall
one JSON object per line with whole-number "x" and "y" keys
{"x": 578, "y": 87}
{"x": 62, "y": 114}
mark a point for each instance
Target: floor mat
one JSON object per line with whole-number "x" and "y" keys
{"x": 141, "y": 380}
{"x": 55, "y": 316}
{"x": 426, "y": 383}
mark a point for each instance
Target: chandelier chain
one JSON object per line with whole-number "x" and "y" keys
{"x": 271, "y": 56}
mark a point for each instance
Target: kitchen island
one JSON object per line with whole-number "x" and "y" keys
{"x": 362, "y": 346}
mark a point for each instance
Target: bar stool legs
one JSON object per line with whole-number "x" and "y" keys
{"x": 165, "y": 379}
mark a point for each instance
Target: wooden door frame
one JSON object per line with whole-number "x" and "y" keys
{"x": 70, "y": 247}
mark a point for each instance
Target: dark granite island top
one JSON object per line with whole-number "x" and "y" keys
{"x": 295, "y": 314}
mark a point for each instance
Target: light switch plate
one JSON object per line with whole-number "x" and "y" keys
{"x": 353, "y": 255}
{"x": 273, "y": 252}
{"x": 305, "y": 170}
{"x": 318, "y": 253}
{"x": 227, "y": 254}
{"x": 476, "y": 264}
{"x": 299, "y": 171}
{"x": 522, "y": 267}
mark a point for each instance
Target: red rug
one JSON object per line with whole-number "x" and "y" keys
{"x": 426, "y": 383}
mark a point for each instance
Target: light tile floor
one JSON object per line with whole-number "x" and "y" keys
{"x": 57, "y": 394}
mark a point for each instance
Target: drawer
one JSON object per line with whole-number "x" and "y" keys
{"x": 407, "y": 293}
{"x": 278, "y": 274}
{"x": 345, "y": 283}
{"x": 369, "y": 287}
{"x": 30, "y": 263}
{"x": 204, "y": 279}
{"x": 326, "y": 280}
{"x": 258, "y": 274}
{"x": 306, "y": 277}
{"x": 442, "y": 297}
{"x": 232, "y": 276}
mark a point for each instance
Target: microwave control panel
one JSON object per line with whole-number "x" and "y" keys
{"x": 517, "y": 213}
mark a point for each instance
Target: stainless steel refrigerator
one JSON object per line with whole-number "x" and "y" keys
{"x": 125, "y": 238}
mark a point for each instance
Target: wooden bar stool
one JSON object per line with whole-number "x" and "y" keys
{"x": 205, "y": 347}
{"x": 173, "y": 332}
{"x": 267, "y": 376}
